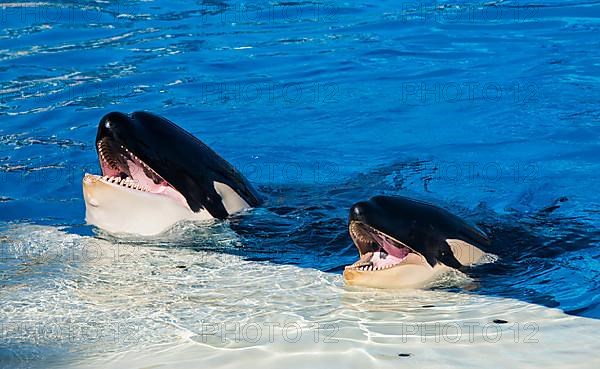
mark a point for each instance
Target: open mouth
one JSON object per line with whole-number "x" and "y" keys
{"x": 121, "y": 167}
{"x": 378, "y": 251}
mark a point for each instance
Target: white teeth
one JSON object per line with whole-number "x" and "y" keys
{"x": 125, "y": 182}
{"x": 364, "y": 268}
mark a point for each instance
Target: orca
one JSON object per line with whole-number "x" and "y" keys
{"x": 407, "y": 243}
{"x": 155, "y": 174}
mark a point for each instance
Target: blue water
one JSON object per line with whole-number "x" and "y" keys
{"x": 490, "y": 110}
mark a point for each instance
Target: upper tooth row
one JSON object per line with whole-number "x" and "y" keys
{"x": 355, "y": 231}
{"x": 138, "y": 159}
{"x": 103, "y": 155}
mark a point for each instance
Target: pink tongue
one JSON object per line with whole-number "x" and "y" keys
{"x": 138, "y": 175}
{"x": 391, "y": 249}
{"x": 395, "y": 254}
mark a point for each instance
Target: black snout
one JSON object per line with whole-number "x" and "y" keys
{"x": 114, "y": 125}
{"x": 364, "y": 211}
{"x": 357, "y": 211}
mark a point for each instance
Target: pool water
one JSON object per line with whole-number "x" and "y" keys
{"x": 489, "y": 109}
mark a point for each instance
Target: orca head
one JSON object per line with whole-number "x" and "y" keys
{"x": 405, "y": 243}
{"x": 159, "y": 173}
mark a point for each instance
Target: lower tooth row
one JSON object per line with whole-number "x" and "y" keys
{"x": 124, "y": 182}
{"x": 371, "y": 268}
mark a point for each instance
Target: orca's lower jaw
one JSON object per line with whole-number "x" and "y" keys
{"x": 122, "y": 169}
{"x": 385, "y": 262}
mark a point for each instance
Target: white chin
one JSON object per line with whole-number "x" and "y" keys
{"x": 118, "y": 209}
{"x": 400, "y": 276}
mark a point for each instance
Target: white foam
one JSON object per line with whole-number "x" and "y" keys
{"x": 149, "y": 306}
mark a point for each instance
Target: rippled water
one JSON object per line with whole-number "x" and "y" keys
{"x": 490, "y": 110}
